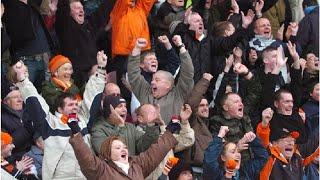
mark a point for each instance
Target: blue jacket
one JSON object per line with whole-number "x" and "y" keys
{"x": 37, "y": 155}
{"x": 248, "y": 170}
{"x": 311, "y": 108}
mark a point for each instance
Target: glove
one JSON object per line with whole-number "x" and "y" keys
{"x": 174, "y": 127}
{"x": 73, "y": 123}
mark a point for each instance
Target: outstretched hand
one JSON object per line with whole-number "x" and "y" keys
{"x": 139, "y": 45}
{"x": 21, "y": 71}
{"x": 165, "y": 41}
{"x": 185, "y": 113}
{"x": 115, "y": 117}
{"x": 102, "y": 59}
{"x": 267, "y": 115}
{"x": 247, "y": 20}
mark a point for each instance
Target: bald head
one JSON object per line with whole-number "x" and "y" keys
{"x": 162, "y": 82}
{"x": 146, "y": 113}
{"x": 111, "y": 89}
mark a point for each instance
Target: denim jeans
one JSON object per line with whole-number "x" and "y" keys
{"x": 38, "y": 69}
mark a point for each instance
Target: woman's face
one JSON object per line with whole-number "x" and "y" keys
{"x": 230, "y": 30}
{"x": 231, "y": 152}
{"x": 119, "y": 151}
{"x": 185, "y": 175}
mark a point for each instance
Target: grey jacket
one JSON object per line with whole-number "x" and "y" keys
{"x": 171, "y": 103}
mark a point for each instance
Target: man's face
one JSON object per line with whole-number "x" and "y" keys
{"x": 14, "y": 100}
{"x": 203, "y": 109}
{"x": 119, "y": 151}
{"x": 64, "y": 72}
{"x": 185, "y": 175}
{"x": 270, "y": 59}
{"x": 121, "y": 109}
{"x": 160, "y": 85}
{"x": 6, "y": 150}
{"x": 286, "y": 146}
{"x": 150, "y": 63}
{"x": 77, "y": 12}
{"x": 316, "y": 92}
{"x": 177, "y": 3}
{"x": 196, "y": 24}
{"x": 312, "y": 63}
{"x": 285, "y": 104}
{"x": 70, "y": 106}
{"x": 263, "y": 28}
{"x": 233, "y": 106}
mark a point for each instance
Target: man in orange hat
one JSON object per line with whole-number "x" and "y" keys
{"x": 61, "y": 70}
{"x": 58, "y": 153}
{"x": 287, "y": 159}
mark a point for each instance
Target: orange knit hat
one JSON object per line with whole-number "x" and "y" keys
{"x": 57, "y": 61}
{"x": 5, "y": 138}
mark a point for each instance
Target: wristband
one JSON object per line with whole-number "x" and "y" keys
{"x": 246, "y": 74}
{"x": 259, "y": 15}
{"x": 100, "y": 67}
{"x": 180, "y": 46}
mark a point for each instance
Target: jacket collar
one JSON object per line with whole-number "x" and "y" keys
{"x": 9, "y": 110}
{"x": 35, "y": 150}
{"x": 275, "y": 151}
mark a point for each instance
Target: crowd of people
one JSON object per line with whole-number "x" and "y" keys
{"x": 160, "y": 90}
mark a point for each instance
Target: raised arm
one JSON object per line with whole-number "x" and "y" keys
{"x": 91, "y": 166}
{"x": 212, "y": 154}
{"x": 310, "y": 146}
{"x": 198, "y": 91}
{"x": 152, "y": 157}
{"x": 27, "y": 89}
{"x": 260, "y": 153}
{"x": 185, "y": 137}
{"x": 226, "y": 44}
{"x": 145, "y": 5}
{"x": 140, "y": 86}
{"x": 95, "y": 85}
{"x": 173, "y": 59}
{"x": 263, "y": 129}
{"x": 185, "y": 81}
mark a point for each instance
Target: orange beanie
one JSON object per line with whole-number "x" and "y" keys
{"x": 57, "y": 61}
{"x": 5, "y": 138}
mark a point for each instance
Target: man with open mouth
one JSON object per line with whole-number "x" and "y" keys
{"x": 112, "y": 123}
{"x": 163, "y": 90}
{"x": 287, "y": 158}
{"x": 233, "y": 116}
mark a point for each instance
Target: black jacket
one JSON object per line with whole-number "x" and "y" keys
{"x": 18, "y": 22}
{"x": 202, "y": 52}
{"x": 20, "y": 127}
{"x": 78, "y": 41}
